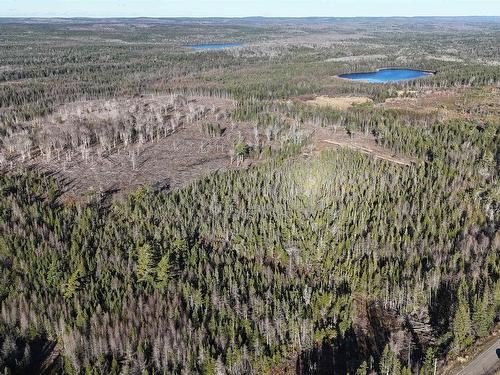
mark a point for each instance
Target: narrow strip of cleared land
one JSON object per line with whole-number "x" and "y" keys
{"x": 378, "y": 153}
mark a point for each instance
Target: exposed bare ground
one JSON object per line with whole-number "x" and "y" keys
{"x": 449, "y": 58}
{"x": 189, "y": 154}
{"x": 356, "y": 58}
{"x": 359, "y": 142}
{"x": 122, "y": 153}
{"x": 381, "y": 154}
{"x": 184, "y": 155}
{"x": 174, "y": 161}
{"x": 340, "y": 102}
{"x": 470, "y": 104}
{"x": 423, "y": 102}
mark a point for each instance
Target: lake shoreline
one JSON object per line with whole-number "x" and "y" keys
{"x": 346, "y": 76}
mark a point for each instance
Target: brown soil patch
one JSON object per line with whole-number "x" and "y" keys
{"x": 171, "y": 162}
{"x": 175, "y": 156}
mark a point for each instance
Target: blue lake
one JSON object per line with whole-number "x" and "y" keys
{"x": 213, "y": 46}
{"x": 387, "y": 75}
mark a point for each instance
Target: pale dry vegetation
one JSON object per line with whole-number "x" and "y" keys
{"x": 121, "y": 143}
{"x": 362, "y": 238}
{"x": 341, "y": 102}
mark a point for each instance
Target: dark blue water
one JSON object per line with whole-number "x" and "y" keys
{"x": 387, "y": 75}
{"x": 213, "y": 46}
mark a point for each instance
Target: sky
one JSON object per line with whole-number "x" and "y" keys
{"x": 245, "y": 8}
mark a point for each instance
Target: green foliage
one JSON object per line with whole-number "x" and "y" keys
{"x": 163, "y": 272}
{"x": 362, "y": 369}
{"x": 212, "y": 257}
{"x": 241, "y": 271}
{"x": 461, "y": 326}
{"x": 481, "y": 318}
{"x": 213, "y": 130}
{"x": 241, "y": 149}
{"x": 72, "y": 286}
{"x": 389, "y": 362}
{"x": 145, "y": 264}
{"x": 428, "y": 364}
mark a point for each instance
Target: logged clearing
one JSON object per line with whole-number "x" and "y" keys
{"x": 376, "y": 152}
{"x": 120, "y": 144}
{"x": 173, "y": 210}
{"x": 471, "y": 104}
{"x": 340, "y": 102}
{"x": 324, "y": 139}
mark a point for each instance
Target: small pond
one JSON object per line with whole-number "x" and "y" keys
{"x": 213, "y": 46}
{"x": 387, "y": 75}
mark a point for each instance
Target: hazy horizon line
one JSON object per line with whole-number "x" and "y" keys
{"x": 244, "y": 17}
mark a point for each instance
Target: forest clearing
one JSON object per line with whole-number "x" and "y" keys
{"x": 204, "y": 196}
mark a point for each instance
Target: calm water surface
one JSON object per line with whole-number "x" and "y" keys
{"x": 387, "y": 75}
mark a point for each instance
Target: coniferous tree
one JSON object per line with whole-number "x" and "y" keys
{"x": 461, "y": 326}
{"x": 362, "y": 369}
{"x": 73, "y": 284}
{"x": 481, "y": 321}
{"x": 428, "y": 364}
{"x": 163, "y": 272}
{"x": 145, "y": 266}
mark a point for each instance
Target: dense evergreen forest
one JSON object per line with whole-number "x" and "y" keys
{"x": 310, "y": 261}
